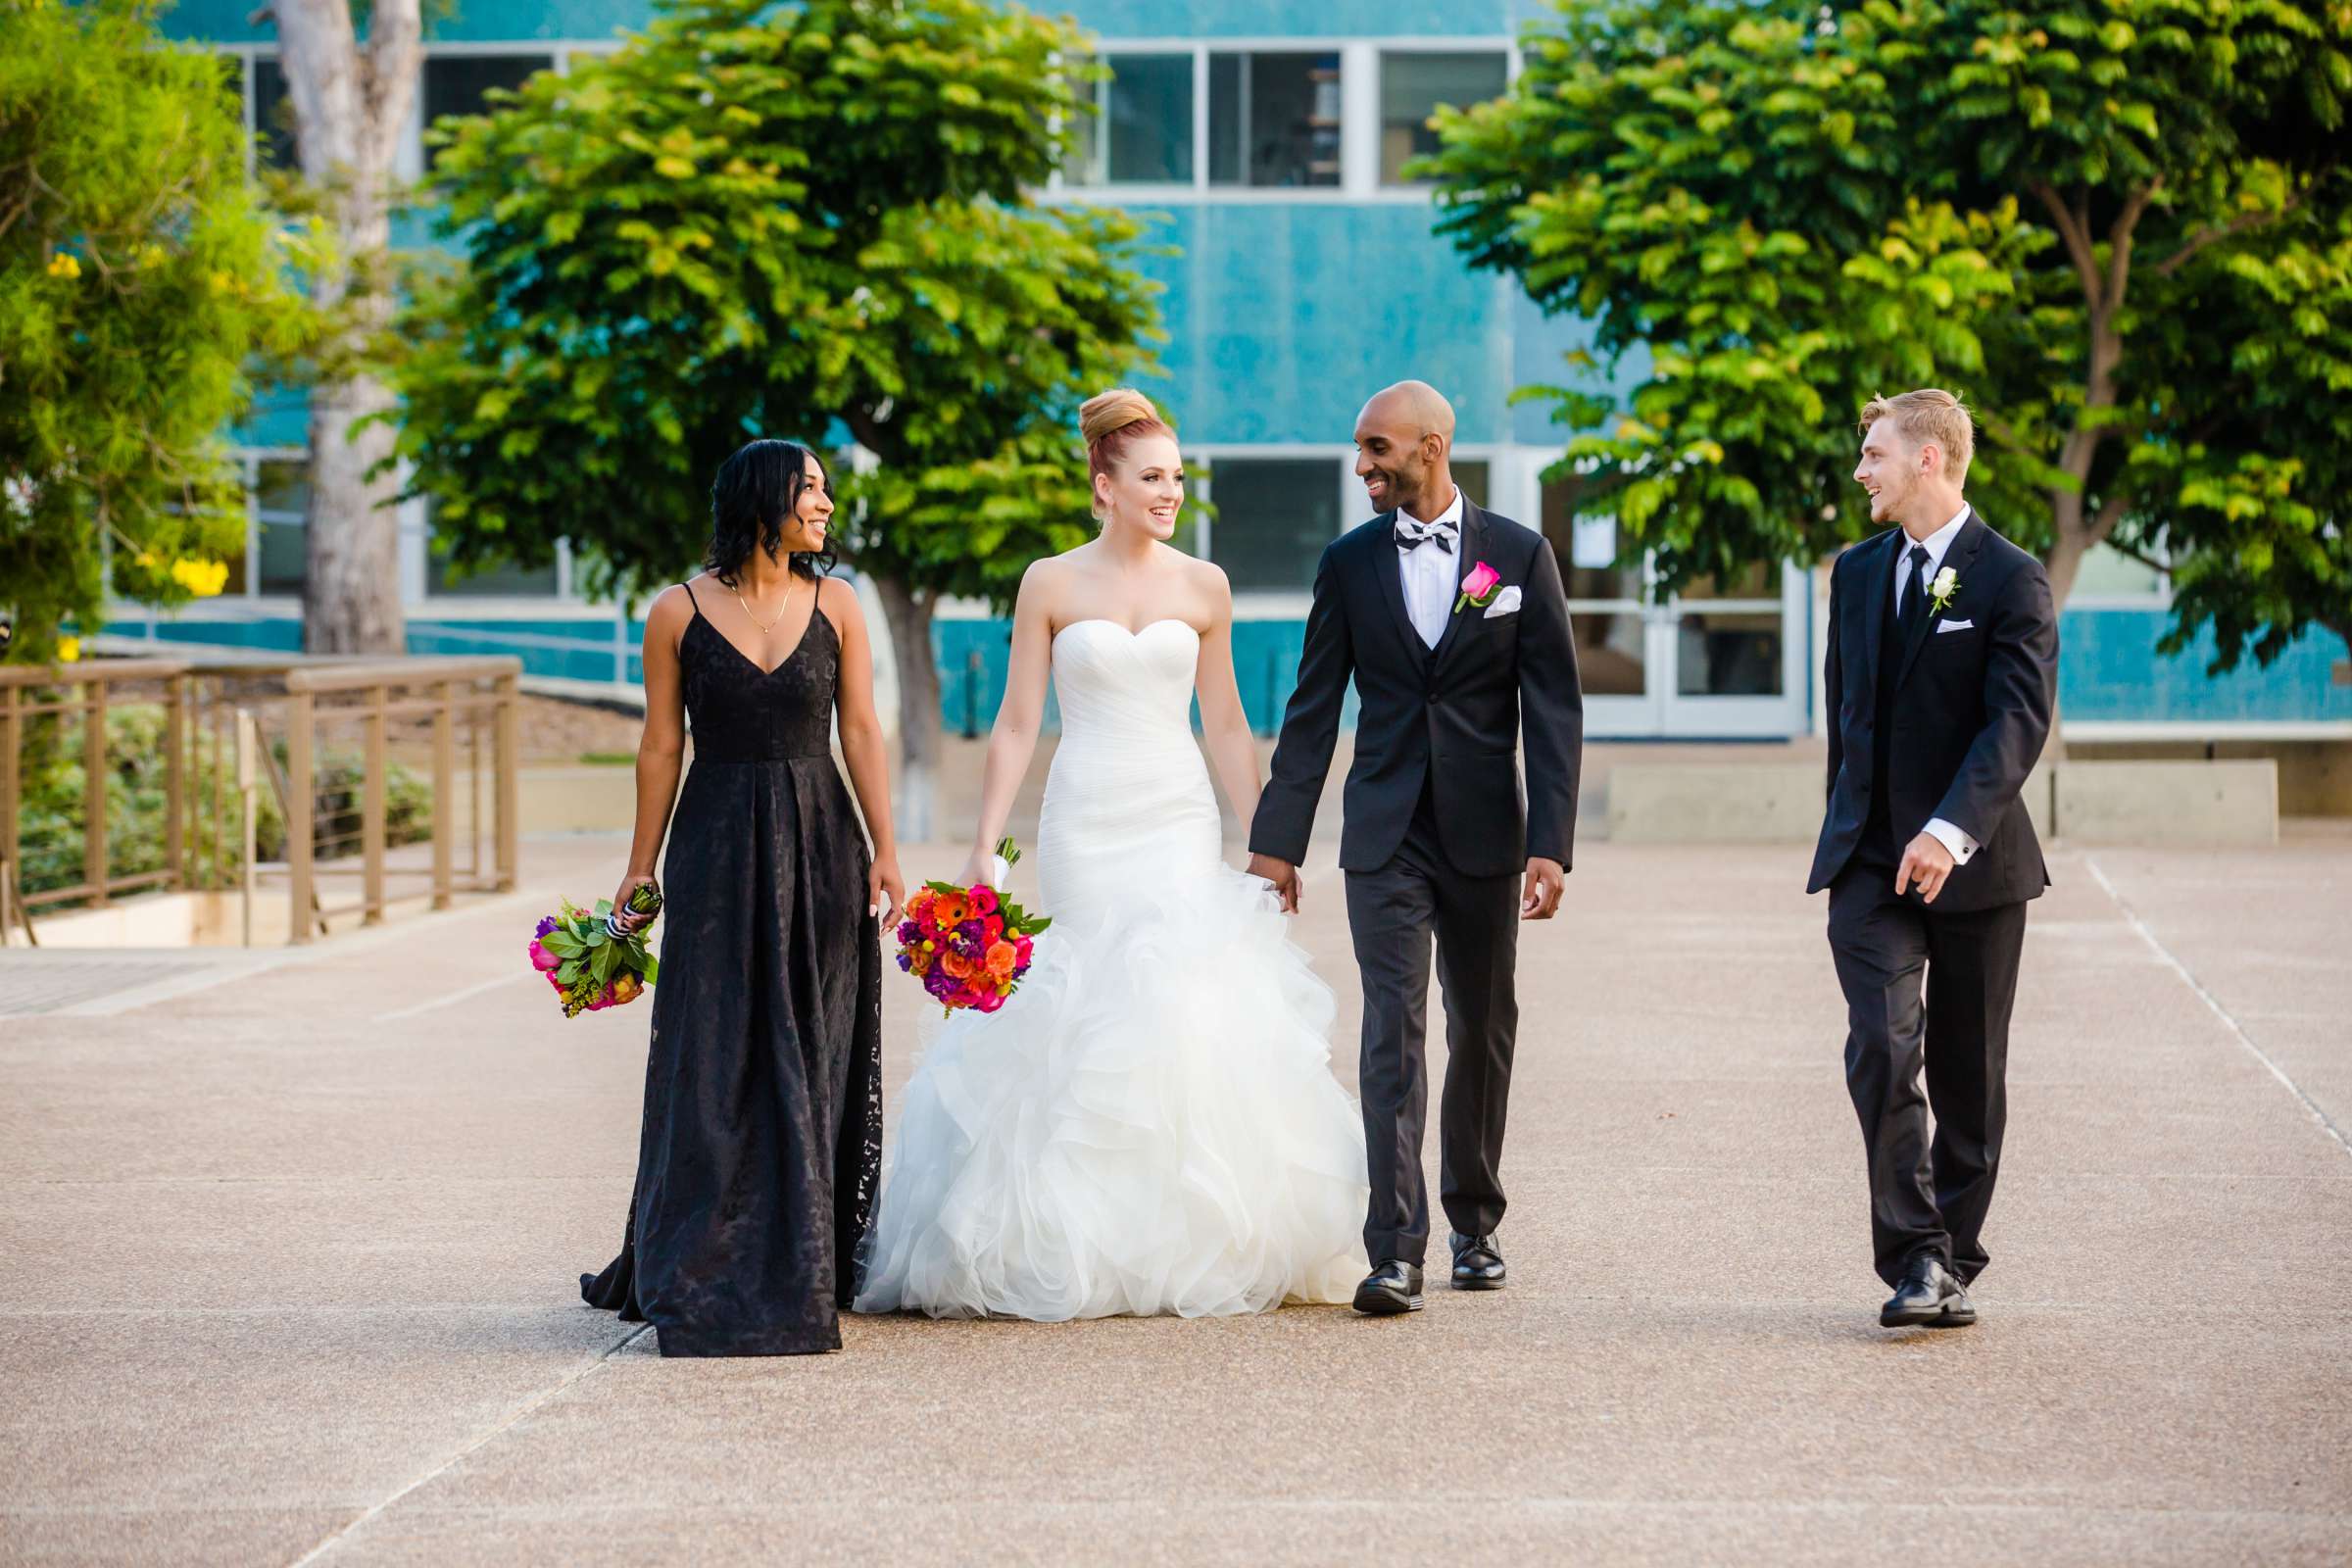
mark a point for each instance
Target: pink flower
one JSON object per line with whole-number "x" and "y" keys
{"x": 541, "y": 958}
{"x": 1477, "y": 586}
{"x": 983, "y": 899}
{"x": 990, "y": 1001}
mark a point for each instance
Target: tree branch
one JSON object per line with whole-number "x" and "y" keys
{"x": 2118, "y": 240}
{"x": 2076, "y": 233}
{"x": 2222, "y": 231}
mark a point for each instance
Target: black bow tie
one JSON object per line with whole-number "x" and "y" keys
{"x": 1411, "y": 536}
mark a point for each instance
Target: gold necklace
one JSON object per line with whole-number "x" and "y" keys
{"x": 764, "y": 626}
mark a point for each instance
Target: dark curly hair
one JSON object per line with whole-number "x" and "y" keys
{"x": 756, "y": 490}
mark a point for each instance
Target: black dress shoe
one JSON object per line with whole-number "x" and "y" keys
{"x": 1477, "y": 1262}
{"x": 1928, "y": 1292}
{"x": 1393, "y": 1287}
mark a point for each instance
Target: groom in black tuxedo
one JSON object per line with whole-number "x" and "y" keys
{"x": 1940, "y": 678}
{"x": 1455, "y": 625}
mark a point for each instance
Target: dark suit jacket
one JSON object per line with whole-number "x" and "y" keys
{"x": 1451, "y": 715}
{"x": 1972, "y": 709}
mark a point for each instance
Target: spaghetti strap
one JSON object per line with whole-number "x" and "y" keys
{"x": 690, "y": 599}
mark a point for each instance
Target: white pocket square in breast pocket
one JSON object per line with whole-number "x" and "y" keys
{"x": 1944, "y": 626}
{"x": 1506, "y": 602}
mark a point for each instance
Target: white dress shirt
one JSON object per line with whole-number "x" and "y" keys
{"x": 1938, "y": 545}
{"x": 1431, "y": 575}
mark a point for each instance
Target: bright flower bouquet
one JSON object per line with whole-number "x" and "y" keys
{"x": 968, "y": 946}
{"x": 592, "y": 964}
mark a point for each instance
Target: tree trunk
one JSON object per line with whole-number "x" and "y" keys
{"x": 350, "y": 107}
{"x": 919, "y": 729}
{"x": 2071, "y": 540}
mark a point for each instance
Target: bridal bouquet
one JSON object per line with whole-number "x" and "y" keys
{"x": 592, "y": 963}
{"x": 968, "y": 946}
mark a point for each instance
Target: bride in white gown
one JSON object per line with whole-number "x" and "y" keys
{"x": 1149, "y": 1124}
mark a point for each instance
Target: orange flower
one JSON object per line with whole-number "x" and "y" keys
{"x": 920, "y": 960}
{"x": 950, "y": 910}
{"x": 956, "y": 964}
{"x": 1001, "y": 960}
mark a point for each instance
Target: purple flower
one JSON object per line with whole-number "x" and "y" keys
{"x": 906, "y": 963}
{"x": 972, "y": 931}
{"x": 547, "y": 923}
{"x": 909, "y": 931}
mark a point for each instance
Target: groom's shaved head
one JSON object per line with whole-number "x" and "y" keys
{"x": 1402, "y": 440}
{"x": 1416, "y": 404}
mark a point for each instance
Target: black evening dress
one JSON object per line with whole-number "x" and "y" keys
{"x": 763, "y": 1141}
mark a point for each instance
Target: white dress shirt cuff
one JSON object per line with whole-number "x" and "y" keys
{"x": 1952, "y": 839}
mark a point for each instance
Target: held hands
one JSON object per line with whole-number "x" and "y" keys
{"x": 1546, "y": 880}
{"x": 621, "y": 913}
{"x": 1927, "y": 862}
{"x": 885, "y": 890}
{"x": 1283, "y": 874}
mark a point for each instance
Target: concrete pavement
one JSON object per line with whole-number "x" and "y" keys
{"x": 290, "y": 1269}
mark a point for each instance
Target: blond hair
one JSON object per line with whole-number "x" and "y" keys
{"x": 1110, "y": 422}
{"x": 1930, "y": 413}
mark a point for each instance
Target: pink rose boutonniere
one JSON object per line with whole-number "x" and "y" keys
{"x": 1478, "y": 587}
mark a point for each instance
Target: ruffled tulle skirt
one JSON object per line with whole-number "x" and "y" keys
{"x": 1150, "y": 1125}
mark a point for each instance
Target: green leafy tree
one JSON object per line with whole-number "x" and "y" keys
{"x": 2121, "y": 232}
{"x": 140, "y": 280}
{"x": 807, "y": 222}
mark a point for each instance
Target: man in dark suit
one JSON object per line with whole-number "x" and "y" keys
{"x": 1454, "y": 627}
{"x": 1940, "y": 684}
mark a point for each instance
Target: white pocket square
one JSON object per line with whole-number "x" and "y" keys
{"x": 1506, "y": 602}
{"x": 1944, "y": 626}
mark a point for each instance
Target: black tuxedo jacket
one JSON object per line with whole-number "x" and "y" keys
{"x": 1451, "y": 717}
{"x": 1974, "y": 686}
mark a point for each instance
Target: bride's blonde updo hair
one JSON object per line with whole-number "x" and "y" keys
{"x": 1111, "y": 422}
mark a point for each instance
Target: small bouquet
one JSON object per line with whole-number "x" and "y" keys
{"x": 968, "y": 946}
{"x": 593, "y": 963}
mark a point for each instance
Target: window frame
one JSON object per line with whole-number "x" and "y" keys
{"x": 1360, "y": 66}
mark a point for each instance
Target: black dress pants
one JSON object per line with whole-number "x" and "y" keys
{"x": 1393, "y": 914}
{"x": 1926, "y": 1196}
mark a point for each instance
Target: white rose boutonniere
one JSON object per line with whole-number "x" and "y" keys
{"x": 1940, "y": 591}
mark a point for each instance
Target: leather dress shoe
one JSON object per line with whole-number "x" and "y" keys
{"x": 1391, "y": 1287}
{"x": 1477, "y": 1262}
{"x": 1930, "y": 1296}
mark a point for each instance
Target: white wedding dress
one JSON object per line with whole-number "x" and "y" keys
{"x": 1149, "y": 1124}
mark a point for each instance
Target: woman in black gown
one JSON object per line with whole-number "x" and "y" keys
{"x": 762, "y": 1140}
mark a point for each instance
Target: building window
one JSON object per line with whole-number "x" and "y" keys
{"x": 1142, "y": 130}
{"x": 1729, "y": 635}
{"x": 444, "y": 581}
{"x": 1274, "y": 518}
{"x": 460, "y": 85}
{"x": 1605, "y": 612}
{"x": 281, "y": 500}
{"x": 1413, "y": 85}
{"x": 272, "y": 118}
{"x": 2107, "y": 573}
{"x": 1274, "y": 120}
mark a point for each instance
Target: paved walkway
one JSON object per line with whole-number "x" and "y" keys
{"x": 289, "y": 1277}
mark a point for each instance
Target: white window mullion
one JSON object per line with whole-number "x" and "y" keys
{"x": 1360, "y": 119}
{"x": 1201, "y": 117}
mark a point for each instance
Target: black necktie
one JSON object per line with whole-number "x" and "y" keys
{"x": 1915, "y": 591}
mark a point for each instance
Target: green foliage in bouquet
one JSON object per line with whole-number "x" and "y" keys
{"x": 594, "y": 967}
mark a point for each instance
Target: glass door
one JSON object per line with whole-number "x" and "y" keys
{"x": 1720, "y": 660}
{"x": 1738, "y": 651}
